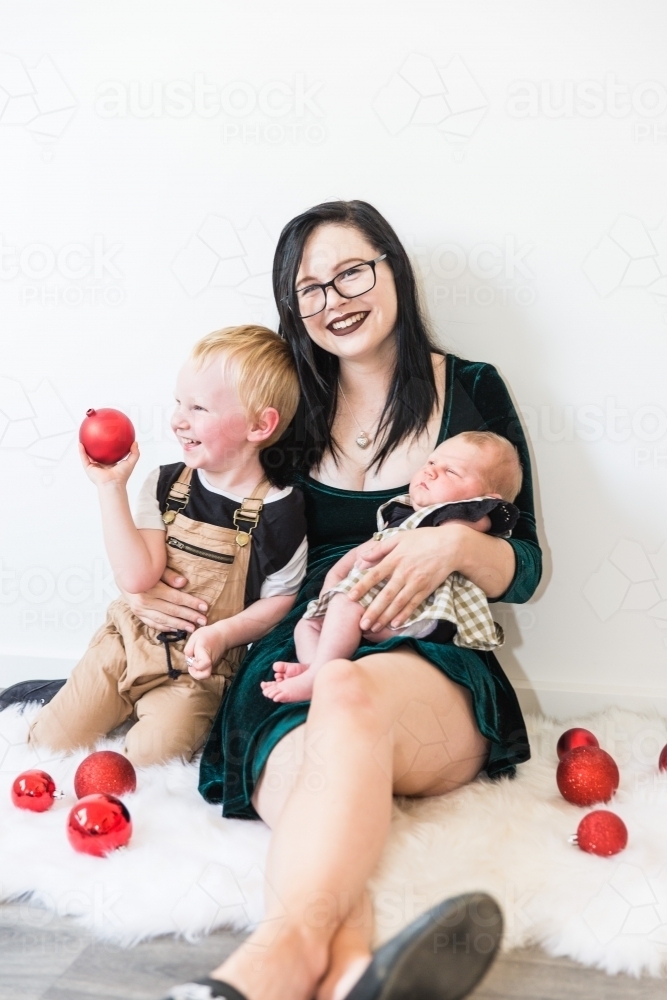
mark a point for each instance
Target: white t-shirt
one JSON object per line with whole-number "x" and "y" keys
{"x": 287, "y": 580}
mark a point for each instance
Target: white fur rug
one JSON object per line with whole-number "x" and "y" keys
{"x": 187, "y": 871}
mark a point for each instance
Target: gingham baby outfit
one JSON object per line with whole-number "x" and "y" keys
{"x": 457, "y": 600}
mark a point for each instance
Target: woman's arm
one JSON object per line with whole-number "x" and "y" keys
{"x": 415, "y": 563}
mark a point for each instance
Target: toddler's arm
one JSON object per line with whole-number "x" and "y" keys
{"x": 137, "y": 556}
{"x": 209, "y": 643}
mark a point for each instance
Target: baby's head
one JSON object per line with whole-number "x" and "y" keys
{"x": 238, "y": 387}
{"x": 469, "y": 465}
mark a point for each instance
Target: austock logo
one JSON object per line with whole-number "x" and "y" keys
{"x": 36, "y": 98}
{"x": 630, "y": 255}
{"x": 446, "y": 98}
{"x": 219, "y": 255}
{"x": 35, "y": 421}
{"x": 630, "y": 579}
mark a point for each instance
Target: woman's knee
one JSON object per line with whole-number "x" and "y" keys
{"x": 343, "y": 683}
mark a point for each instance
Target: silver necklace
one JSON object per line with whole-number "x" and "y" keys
{"x": 362, "y": 439}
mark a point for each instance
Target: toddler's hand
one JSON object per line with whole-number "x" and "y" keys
{"x": 202, "y": 650}
{"x": 103, "y": 474}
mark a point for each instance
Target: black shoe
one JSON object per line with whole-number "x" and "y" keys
{"x": 30, "y": 691}
{"x": 442, "y": 955}
{"x": 204, "y": 989}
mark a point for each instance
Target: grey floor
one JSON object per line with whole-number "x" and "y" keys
{"x": 44, "y": 958}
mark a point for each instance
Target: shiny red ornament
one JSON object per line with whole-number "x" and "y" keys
{"x": 587, "y": 775}
{"x": 572, "y": 738}
{"x": 107, "y": 435}
{"x": 34, "y": 790}
{"x": 602, "y": 832}
{"x": 105, "y": 771}
{"x": 662, "y": 759}
{"x": 99, "y": 824}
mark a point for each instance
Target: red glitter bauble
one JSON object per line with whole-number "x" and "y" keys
{"x": 662, "y": 759}
{"x": 105, "y": 771}
{"x": 99, "y": 824}
{"x": 107, "y": 435}
{"x": 34, "y": 790}
{"x": 587, "y": 775}
{"x": 572, "y": 738}
{"x": 602, "y": 832}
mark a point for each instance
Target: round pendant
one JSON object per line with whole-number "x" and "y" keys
{"x": 363, "y": 441}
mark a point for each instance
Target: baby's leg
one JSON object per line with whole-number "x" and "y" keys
{"x": 339, "y": 638}
{"x": 306, "y": 638}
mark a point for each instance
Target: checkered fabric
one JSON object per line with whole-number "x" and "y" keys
{"x": 457, "y": 600}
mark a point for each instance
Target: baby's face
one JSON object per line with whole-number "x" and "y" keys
{"x": 456, "y": 470}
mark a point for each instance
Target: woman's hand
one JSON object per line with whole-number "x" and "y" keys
{"x": 415, "y": 563}
{"x": 167, "y": 606}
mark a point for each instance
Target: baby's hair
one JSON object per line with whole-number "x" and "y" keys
{"x": 260, "y": 366}
{"x": 506, "y": 475}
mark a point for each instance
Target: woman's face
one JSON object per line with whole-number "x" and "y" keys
{"x": 349, "y": 328}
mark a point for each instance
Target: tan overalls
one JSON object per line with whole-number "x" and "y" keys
{"x": 132, "y": 670}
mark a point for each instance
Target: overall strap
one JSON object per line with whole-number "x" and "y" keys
{"x": 250, "y": 511}
{"x": 178, "y": 496}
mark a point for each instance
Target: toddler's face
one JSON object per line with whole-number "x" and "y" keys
{"x": 456, "y": 470}
{"x": 208, "y": 420}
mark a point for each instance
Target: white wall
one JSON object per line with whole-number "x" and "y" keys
{"x": 539, "y": 233}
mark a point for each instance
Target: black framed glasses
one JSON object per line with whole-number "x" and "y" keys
{"x": 353, "y": 281}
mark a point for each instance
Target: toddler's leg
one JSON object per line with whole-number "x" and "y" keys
{"x": 174, "y": 720}
{"x": 339, "y": 638}
{"x": 306, "y": 638}
{"x": 89, "y": 705}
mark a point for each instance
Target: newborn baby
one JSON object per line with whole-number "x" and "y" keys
{"x": 470, "y": 478}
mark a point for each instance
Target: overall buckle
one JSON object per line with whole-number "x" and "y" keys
{"x": 249, "y": 512}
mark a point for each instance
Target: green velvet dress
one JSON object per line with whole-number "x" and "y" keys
{"x": 248, "y": 725}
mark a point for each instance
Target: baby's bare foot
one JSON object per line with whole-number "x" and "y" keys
{"x": 299, "y": 688}
{"x": 284, "y": 668}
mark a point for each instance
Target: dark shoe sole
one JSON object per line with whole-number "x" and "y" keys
{"x": 27, "y": 692}
{"x": 442, "y": 955}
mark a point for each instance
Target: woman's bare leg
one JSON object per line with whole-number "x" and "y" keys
{"x": 350, "y": 952}
{"x": 389, "y": 722}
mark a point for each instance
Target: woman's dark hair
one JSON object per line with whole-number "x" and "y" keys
{"x": 412, "y": 393}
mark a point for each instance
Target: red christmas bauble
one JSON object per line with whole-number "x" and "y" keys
{"x": 602, "y": 832}
{"x": 572, "y": 738}
{"x": 587, "y": 775}
{"x": 34, "y": 790}
{"x": 105, "y": 771}
{"x": 107, "y": 435}
{"x": 99, "y": 824}
{"x": 662, "y": 759}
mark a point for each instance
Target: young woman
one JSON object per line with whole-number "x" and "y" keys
{"x": 406, "y": 717}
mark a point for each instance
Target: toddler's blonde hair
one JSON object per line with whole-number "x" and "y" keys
{"x": 506, "y": 475}
{"x": 260, "y": 366}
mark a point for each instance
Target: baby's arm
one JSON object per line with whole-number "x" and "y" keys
{"x": 206, "y": 645}
{"x": 137, "y": 556}
{"x": 484, "y": 523}
{"x": 340, "y": 569}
